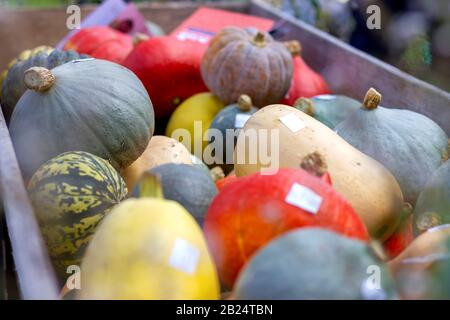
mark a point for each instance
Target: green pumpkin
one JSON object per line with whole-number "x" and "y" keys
{"x": 190, "y": 186}
{"x": 314, "y": 263}
{"x": 71, "y": 194}
{"x": 433, "y": 205}
{"x": 14, "y": 87}
{"x": 89, "y": 105}
{"x": 230, "y": 119}
{"x": 328, "y": 108}
{"x": 407, "y": 143}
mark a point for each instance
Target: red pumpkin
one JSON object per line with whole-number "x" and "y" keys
{"x": 305, "y": 81}
{"x": 401, "y": 238}
{"x": 101, "y": 43}
{"x": 252, "y": 210}
{"x": 169, "y": 70}
{"x": 221, "y": 183}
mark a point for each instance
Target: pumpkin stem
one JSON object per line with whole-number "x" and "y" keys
{"x": 38, "y": 79}
{"x": 314, "y": 163}
{"x": 446, "y": 153}
{"x": 294, "y": 47}
{"x": 150, "y": 186}
{"x": 372, "y": 99}
{"x": 139, "y": 37}
{"x": 305, "y": 105}
{"x": 428, "y": 220}
{"x": 216, "y": 173}
{"x": 377, "y": 250}
{"x": 259, "y": 39}
{"x": 244, "y": 102}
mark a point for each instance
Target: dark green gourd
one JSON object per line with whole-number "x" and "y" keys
{"x": 407, "y": 143}
{"x": 87, "y": 105}
{"x": 329, "y": 109}
{"x": 14, "y": 87}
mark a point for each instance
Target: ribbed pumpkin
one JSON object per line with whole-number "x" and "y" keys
{"x": 88, "y": 105}
{"x": 254, "y": 209}
{"x": 407, "y": 143}
{"x": 228, "y": 122}
{"x": 247, "y": 61}
{"x": 71, "y": 194}
{"x": 433, "y": 204}
{"x": 14, "y": 87}
{"x": 148, "y": 249}
{"x": 169, "y": 69}
{"x": 314, "y": 263}
{"x": 305, "y": 81}
{"x": 102, "y": 43}
{"x": 328, "y": 108}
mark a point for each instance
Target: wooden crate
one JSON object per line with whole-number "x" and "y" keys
{"x": 348, "y": 70}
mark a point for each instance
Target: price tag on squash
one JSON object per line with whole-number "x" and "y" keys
{"x": 292, "y": 122}
{"x": 184, "y": 256}
{"x": 304, "y": 198}
{"x": 240, "y": 120}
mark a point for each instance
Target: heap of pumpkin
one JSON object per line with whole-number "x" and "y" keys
{"x": 352, "y": 183}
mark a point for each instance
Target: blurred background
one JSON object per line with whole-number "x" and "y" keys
{"x": 414, "y": 34}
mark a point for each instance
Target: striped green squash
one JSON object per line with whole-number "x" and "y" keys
{"x": 71, "y": 194}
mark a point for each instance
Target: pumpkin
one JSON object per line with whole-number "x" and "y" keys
{"x": 191, "y": 120}
{"x": 247, "y": 61}
{"x": 407, "y": 143}
{"x": 160, "y": 150}
{"x": 101, "y": 42}
{"x": 305, "y": 81}
{"x": 148, "y": 249}
{"x": 290, "y": 135}
{"x": 314, "y": 263}
{"x": 24, "y": 55}
{"x": 254, "y": 209}
{"x": 71, "y": 194}
{"x": 88, "y": 105}
{"x": 188, "y": 185}
{"x": 221, "y": 183}
{"x": 327, "y": 108}
{"x": 169, "y": 69}
{"x": 402, "y": 236}
{"x": 433, "y": 205}
{"x": 14, "y": 87}
{"x": 225, "y": 127}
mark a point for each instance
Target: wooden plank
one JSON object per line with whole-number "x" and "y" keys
{"x": 35, "y": 273}
{"x": 48, "y": 26}
{"x": 350, "y": 71}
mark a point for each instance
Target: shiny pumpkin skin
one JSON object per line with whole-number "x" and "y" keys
{"x": 169, "y": 70}
{"x": 401, "y": 238}
{"x": 136, "y": 254}
{"x": 434, "y": 200}
{"x": 368, "y": 186}
{"x": 329, "y": 109}
{"x": 313, "y": 264}
{"x": 13, "y": 86}
{"x": 251, "y": 211}
{"x": 94, "y": 106}
{"x": 305, "y": 83}
{"x": 101, "y": 42}
{"x": 190, "y": 186}
{"x": 408, "y": 144}
{"x": 235, "y": 63}
{"x": 71, "y": 194}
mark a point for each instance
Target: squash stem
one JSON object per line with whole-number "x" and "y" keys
{"x": 372, "y": 99}
{"x": 294, "y": 47}
{"x": 305, "y": 105}
{"x": 244, "y": 102}
{"x": 38, "y": 79}
{"x": 259, "y": 39}
{"x": 315, "y": 164}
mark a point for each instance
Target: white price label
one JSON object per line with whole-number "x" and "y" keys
{"x": 440, "y": 227}
{"x": 240, "y": 120}
{"x": 304, "y": 198}
{"x": 292, "y": 122}
{"x": 184, "y": 256}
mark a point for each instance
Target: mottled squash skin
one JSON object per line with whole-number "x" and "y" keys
{"x": 247, "y": 61}
{"x": 313, "y": 263}
{"x": 14, "y": 87}
{"x": 71, "y": 194}
{"x": 94, "y": 106}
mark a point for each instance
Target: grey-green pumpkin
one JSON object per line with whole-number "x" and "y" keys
{"x": 225, "y": 127}
{"x": 14, "y": 87}
{"x": 407, "y": 143}
{"x": 188, "y": 185}
{"x": 315, "y": 263}
{"x": 89, "y": 105}
{"x": 433, "y": 205}
{"x": 328, "y": 108}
